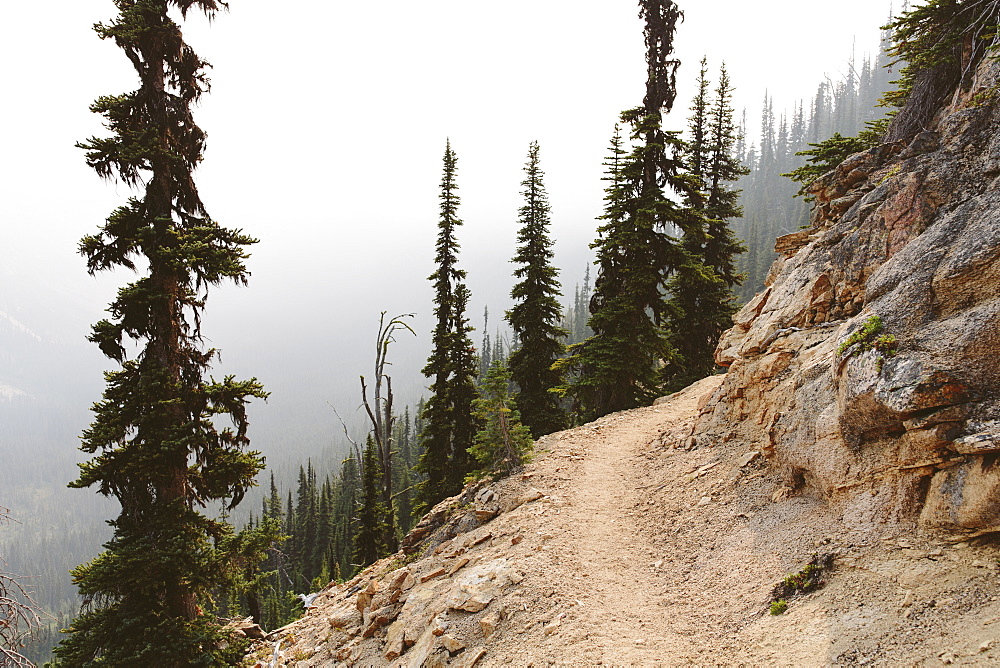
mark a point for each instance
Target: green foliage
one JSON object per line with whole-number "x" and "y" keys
{"x": 372, "y": 531}
{"x": 535, "y": 315}
{"x": 825, "y": 156}
{"x": 448, "y": 427}
{"x": 617, "y": 367}
{"x": 955, "y": 33}
{"x": 810, "y": 578}
{"x": 660, "y": 303}
{"x": 870, "y": 337}
{"x": 701, "y": 301}
{"x": 805, "y": 580}
{"x": 503, "y": 442}
{"x": 157, "y": 443}
{"x": 245, "y": 551}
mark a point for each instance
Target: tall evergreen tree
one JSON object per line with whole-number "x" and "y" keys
{"x": 448, "y": 425}
{"x": 404, "y": 478}
{"x": 370, "y": 528}
{"x": 535, "y": 315}
{"x": 636, "y": 254}
{"x": 157, "y": 446}
{"x": 701, "y": 299}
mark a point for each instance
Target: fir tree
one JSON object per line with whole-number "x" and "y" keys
{"x": 448, "y": 425}
{"x": 370, "y": 529}
{"x": 535, "y": 315}
{"x": 404, "y": 479}
{"x": 157, "y": 446}
{"x": 501, "y": 445}
{"x": 486, "y": 349}
{"x": 245, "y": 579}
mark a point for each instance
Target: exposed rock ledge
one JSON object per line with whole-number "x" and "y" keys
{"x": 908, "y": 233}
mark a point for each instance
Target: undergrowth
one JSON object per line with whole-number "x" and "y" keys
{"x": 810, "y": 578}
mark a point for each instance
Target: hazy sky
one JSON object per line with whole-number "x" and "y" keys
{"x": 327, "y": 122}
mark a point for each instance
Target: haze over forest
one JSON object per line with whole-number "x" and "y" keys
{"x": 325, "y": 138}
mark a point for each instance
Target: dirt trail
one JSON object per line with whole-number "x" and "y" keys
{"x": 606, "y": 577}
{"x": 621, "y": 544}
{"x": 623, "y": 619}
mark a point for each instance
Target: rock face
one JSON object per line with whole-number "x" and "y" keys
{"x": 907, "y": 232}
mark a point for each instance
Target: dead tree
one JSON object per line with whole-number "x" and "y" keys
{"x": 380, "y": 408}
{"x": 18, "y": 613}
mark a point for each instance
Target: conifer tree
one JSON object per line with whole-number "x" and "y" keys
{"x": 617, "y": 366}
{"x": 702, "y": 302}
{"x": 448, "y": 426}
{"x": 403, "y": 511}
{"x": 157, "y": 444}
{"x": 486, "y": 349}
{"x": 501, "y": 445}
{"x": 370, "y": 529}
{"x": 535, "y": 315}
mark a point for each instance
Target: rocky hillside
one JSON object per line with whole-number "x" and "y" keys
{"x": 622, "y": 544}
{"x": 843, "y": 473}
{"x": 906, "y": 233}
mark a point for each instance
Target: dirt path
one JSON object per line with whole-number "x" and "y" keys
{"x": 601, "y": 554}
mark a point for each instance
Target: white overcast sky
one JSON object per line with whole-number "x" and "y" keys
{"x": 327, "y": 122}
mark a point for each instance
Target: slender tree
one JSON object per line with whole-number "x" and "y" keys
{"x": 503, "y": 442}
{"x": 696, "y": 150}
{"x": 370, "y": 528}
{"x": 535, "y": 315}
{"x": 448, "y": 426}
{"x": 383, "y": 419}
{"x": 403, "y": 501}
{"x": 157, "y": 444}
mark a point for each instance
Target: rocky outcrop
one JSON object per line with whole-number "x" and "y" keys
{"x": 434, "y": 603}
{"x": 906, "y": 232}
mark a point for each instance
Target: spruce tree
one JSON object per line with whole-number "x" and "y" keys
{"x": 370, "y": 528}
{"x": 535, "y": 315}
{"x": 503, "y": 442}
{"x": 403, "y": 510}
{"x": 157, "y": 444}
{"x": 448, "y": 426}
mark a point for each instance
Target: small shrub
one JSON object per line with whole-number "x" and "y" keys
{"x": 810, "y": 578}
{"x": 893, "y": 171}
{"x": 870, "y": 337}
